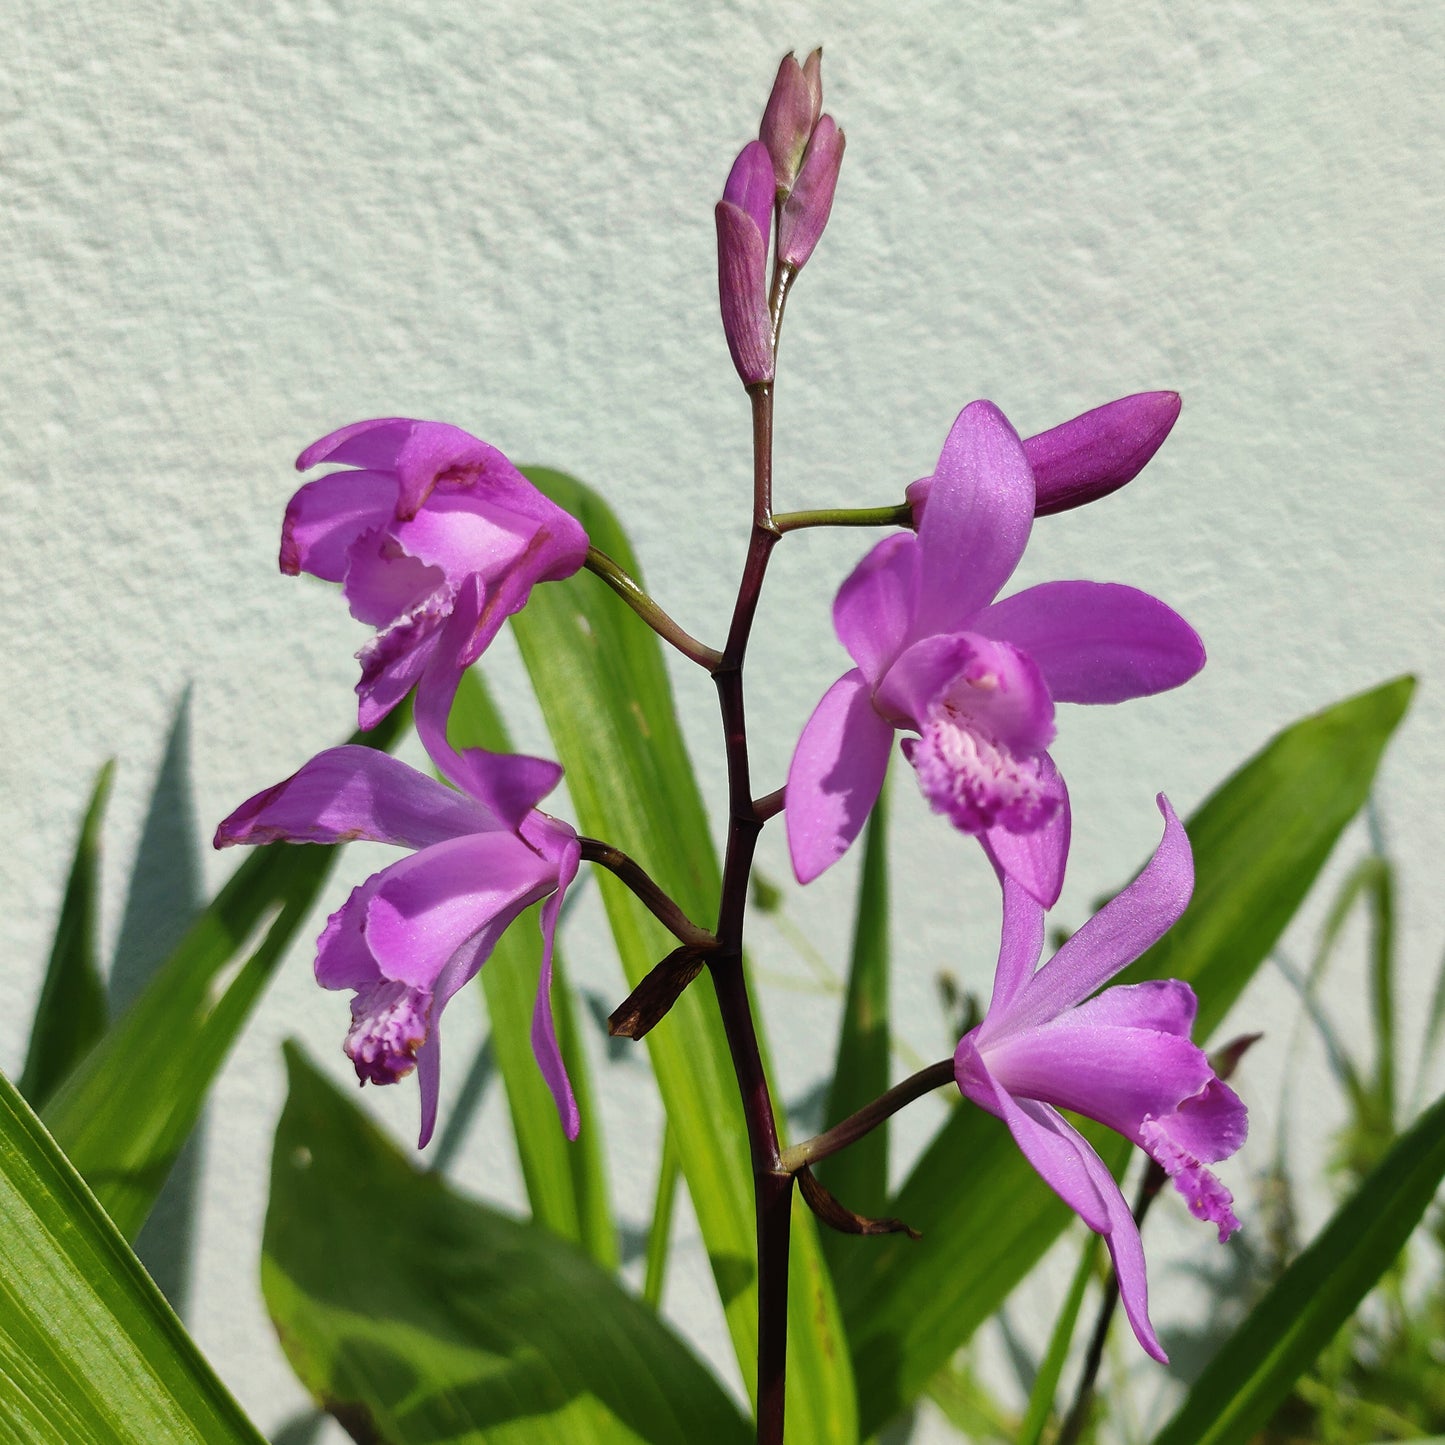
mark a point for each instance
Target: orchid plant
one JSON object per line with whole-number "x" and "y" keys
{"x": 436, "y": 540}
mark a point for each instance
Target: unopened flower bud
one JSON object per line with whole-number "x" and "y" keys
{"x": 744, "y": 218}
{"x": 1091, "y": 455}
{"x": 805, "y": 212}
{"x": 791, "y": 113}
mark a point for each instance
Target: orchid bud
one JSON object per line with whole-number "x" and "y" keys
{"x": 805, "y": 212}
{"x": 744, "y": 218}
{"x": 1091, "y": 455}
{"x": 791, "y": 113}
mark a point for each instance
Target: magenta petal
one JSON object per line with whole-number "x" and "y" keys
{"x": 1097, "y": 641}
{"x": 875, "y": 606}
{"x": 742, "y": 293}
{"x": 544, "y": 1029}
{"x": 342, "y": 958}
{"x": 428, "y": 906}
{"x": 974, "y": 529}
{"x": 836, "y": 776}
{"x": 373, "y": 443}
{"x": 429, "y": 1080}
{"x": 353, "y": 792}
{"x": 1021, "y": 944}
{"x": 1117, "y": 934}
{"x": 394, "y": 660}
{"x": 805, "y": 212}
{"x": 750, "y": 186}
{"x": 327, "y": 516}
{"x": 1164, "y": 1005}
{"x": 1036, "y": 860}
{"x": 1098, "y": 452}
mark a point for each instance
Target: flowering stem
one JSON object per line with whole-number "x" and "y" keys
{"x": 868, "y": 1118}
{"x": 896, "y": 516}
{"x": 661, "y": 905}
{"x": 627, "y": 588}
{"x": 770, "y": 805}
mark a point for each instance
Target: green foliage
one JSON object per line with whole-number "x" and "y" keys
{"x": 90, "y": 1352}
{"x": 71, "y": 1013}
{"x": 414, "y": 1315}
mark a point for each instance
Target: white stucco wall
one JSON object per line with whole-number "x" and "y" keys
{"x": 226, "y": 230}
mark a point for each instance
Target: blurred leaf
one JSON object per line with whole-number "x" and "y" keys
{"x": 414, "y": 1315}
{"x": 90, "y": 1353}
{"x": 858, "y": 1175}
{"x": 659, "y": 1232}
{"x": 600, "y": 677}
{"x": 1051, "y": 1367}
{"x": 71, "y": 1013}
{"x": 566, "y": 1182}
{"x": 1259, "y": 1362}
{"x": 1259, "y": 841}
{"x": 126, "y": 1111}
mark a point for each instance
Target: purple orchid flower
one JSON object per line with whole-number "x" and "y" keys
{"x": 414, "y": 934}
{"x": 1123, "y": 1058}
{"x": 427, "y": 507}
{"x": 976, "y": 679}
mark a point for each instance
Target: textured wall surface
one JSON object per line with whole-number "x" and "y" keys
{"x": 228, "y": 229}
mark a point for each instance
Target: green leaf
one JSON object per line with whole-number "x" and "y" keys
{"x": 90, "y": 1352}
{"x": 1261, "y": 1360}
{"x": 599, "y": 675}
{"x": 1259, "y": 842}
{"x": 71, "y": 1013}
{"x": 566, "y": 1182}
{"x": 1051, "y": 1367}
{"x": 858, "y": 1175}
{"x": 126, "y": 1111}
{"x": 414, "y": 1315}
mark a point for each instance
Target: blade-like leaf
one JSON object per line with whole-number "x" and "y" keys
{"x": 1051, "y": 1367}
{"x": 858, "y": 1175}
{"x": 1256, "y": 1366}
{"x": 566, "y": 1183}
{"x": 90, "y": 1352}
{"x": 599, "y": 675}
{"x": 71, "y": 1013}
{"x": 415, "y": 1315}
{"x": 1259, "y": 842}
{"x": 124, "y": 1114}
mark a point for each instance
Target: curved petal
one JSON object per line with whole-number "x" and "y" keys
{"x": 350, "y": 793}
{"x": 1097, "y": 641}
{"x": 974, "y": 529}
{"x": 1020, "y": 946}
{"x": 544, "y": 1030}
{"x": 429, "y": 1082}
{"x": 1118, "y": 933}
{"x": 325, "y": 517}
{"x": 1036, "y": 860}
{"x": 394, "y": 660}
{"x": 373, "y": 443}
{"x": 750, "y": 186}
{"x": 426, "y": 907}
{"x": 874, "y": 608}
{"x": 342, "y": 958}
{"x": 836, "y": 776}
{"x": 1164, "y": 1005}
{"x": 1118, "y": 1076}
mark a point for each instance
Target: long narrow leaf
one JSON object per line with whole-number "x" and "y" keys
{"x": 90, "y": 1352}
{"x": 859, "y": 1174}
{"x": 599, "y": 675}
{"x": 1259, "y": 842}
{"x": 71, "y": 1013}
{"x": 124, "y": 1114}
{"x": 566, "y": 1182}
{"x": 415, "y": 1316}
{"x": 1051, "y": 1367}
{"x": 1262, "y": 1359}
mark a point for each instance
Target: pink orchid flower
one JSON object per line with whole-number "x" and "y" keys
{"x": 1122, "y": 1057}
{"x": 426, "y": 507}
{"x": 975, "y": 679}
{"x": 411, "y": 936}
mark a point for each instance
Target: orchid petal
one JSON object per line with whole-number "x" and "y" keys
{"x": 325, "y": 517}
{"x": 875, "y": 606}
{"x": 427, "y": 906}
{"x": 977, "y": 521}
{"x": 544, "y": 1029}
{"x": 836, "y": 776}
{"x": 394, "y": 660}
{"x": 343, "y": 959}
{"x": 352, "y": 793}
{"x": 373, "y": 443}
{"x": 750, "y": 187}
{"x": 1036, "y": 860}
{"x": 1097, "y": 642}
{"x": 429, "y": 1082}
{"x": 1118, "y": 933}
{"x": 1163, "y": 1005}
{"x": 1020, "y": 946}
{"x": 385, "y": 586}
